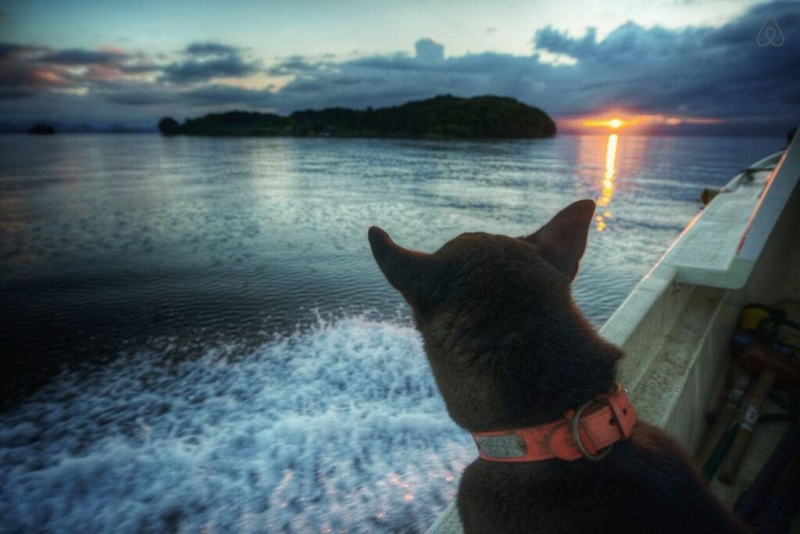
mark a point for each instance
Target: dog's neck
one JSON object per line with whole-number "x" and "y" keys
{"x": 581, "y": 366}
{"x": 533, "y": 371}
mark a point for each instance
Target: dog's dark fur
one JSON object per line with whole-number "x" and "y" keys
{"x": 509, "y": 349}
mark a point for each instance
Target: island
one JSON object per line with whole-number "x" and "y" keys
{"x": 41, "y": 129}
{"x": 482, "y": 117}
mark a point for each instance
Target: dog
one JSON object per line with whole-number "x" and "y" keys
{"x": 509, "y": 350}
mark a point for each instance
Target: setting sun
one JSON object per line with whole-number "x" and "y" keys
{"x": 614, "y": 123}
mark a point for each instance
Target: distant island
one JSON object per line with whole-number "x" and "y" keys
{"x": 41, "y": 129}
{"x": 483, "y": 117}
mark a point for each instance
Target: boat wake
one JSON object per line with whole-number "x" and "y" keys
{"x": 336, "y": 427}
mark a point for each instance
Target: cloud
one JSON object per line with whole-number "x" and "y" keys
{"x": 219, "y": 61}
{"x": 299, "y": 65}
{"x": 557, "y": 42}
{"x": 128, "y": 79}
{"x": 429, "y": 50}
{"x": 11, "y": 50}
{"x": 20, "y": 78}
{"x": 211, "y": 49}
{"x": 199, "y": 71}
{"x": 31, "y": 69}
{"x": 715, "y": 72}
{"x": 78, "y": 56}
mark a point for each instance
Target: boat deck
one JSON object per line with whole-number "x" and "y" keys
{"x": 744, "y": 247}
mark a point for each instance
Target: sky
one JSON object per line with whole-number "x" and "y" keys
{"x": 681, "y": 66}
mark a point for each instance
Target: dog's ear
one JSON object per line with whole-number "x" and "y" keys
{"x": 414, "y": 274}
{"x": 562, "y": 240}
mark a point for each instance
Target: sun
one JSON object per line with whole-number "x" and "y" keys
{"x": 614, "y": 123}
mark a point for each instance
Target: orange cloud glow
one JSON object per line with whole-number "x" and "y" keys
{"x": 49, "y": 77}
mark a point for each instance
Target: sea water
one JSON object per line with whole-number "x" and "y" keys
{"x": 197, "y": 338}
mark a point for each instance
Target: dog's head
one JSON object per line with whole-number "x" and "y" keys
{"x": 503, "y": 339}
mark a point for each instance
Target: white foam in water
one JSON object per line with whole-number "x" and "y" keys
{"x": 339, "y": 428}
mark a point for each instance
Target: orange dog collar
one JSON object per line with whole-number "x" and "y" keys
{"x": 579, "y": 435}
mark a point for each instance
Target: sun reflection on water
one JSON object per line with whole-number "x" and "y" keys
{"x": 607, "y": 190}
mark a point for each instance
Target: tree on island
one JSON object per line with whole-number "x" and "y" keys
{"x": 485, "y": 117}
{"x": 169, "y": 126}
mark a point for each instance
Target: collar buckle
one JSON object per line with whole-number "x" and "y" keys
{"x": 574, "y": 423}
{"x": 617, "y": 403}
